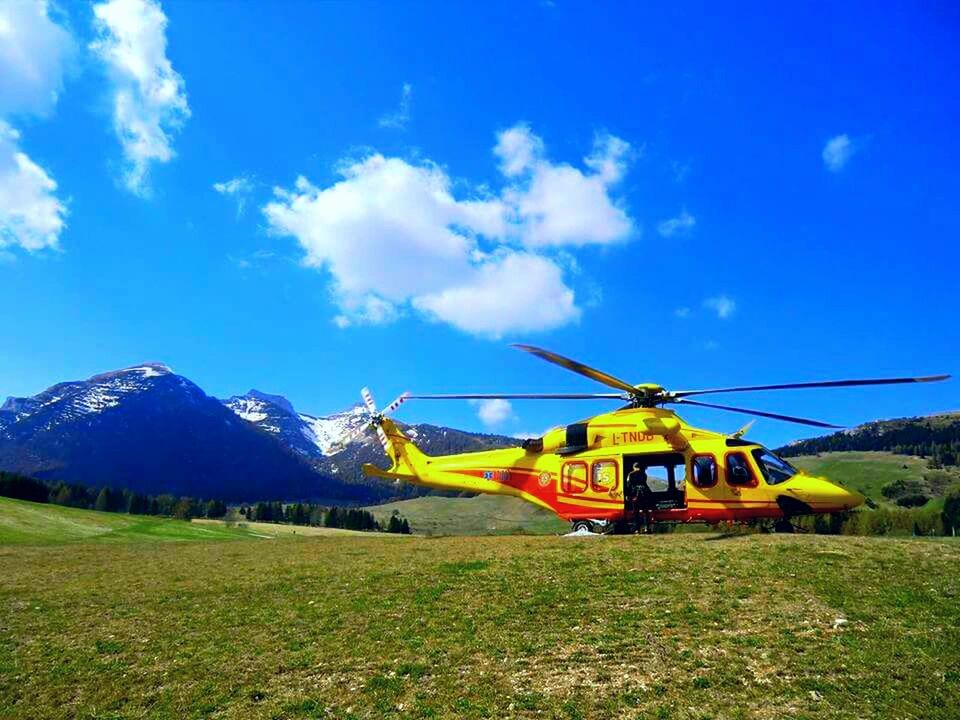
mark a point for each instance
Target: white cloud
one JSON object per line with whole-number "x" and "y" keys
{"x": 149, "y": 100}
{"x": 399, "y": 118}
{"x": 682, "y": 312}
{"x": 558, "y": 204}
{"x": 392, "y": 234}
{"x": 237, "y": 188}
{"x": 722, "y": 305}
{"x": 388, "y": 227}
{"x": 609, "y": 157}
{"x": 679, "y": 225}
{"x": 516, "y": 292}
{"x": 493, "y": 412}
{"x": 34, "y": 54}
{"x": 31, "y": 216}
{"x": 519, "y": 150}
{"x": 837, "y": 152}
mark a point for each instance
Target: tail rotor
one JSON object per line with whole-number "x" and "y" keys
{"x": 373, "y": 420}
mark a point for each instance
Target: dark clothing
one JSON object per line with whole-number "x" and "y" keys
{"x": 638, "y": 495}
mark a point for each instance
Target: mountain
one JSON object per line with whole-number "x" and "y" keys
{"x": 935, "y": 436}
{"x": 311, "y": 437}
{"x": 150, "y": 430}
{"x": 316, "y": 438}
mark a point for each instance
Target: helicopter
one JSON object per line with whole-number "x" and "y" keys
{"x": 587, "y": 472}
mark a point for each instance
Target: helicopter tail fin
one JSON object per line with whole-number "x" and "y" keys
{"x": 406, "y": 458}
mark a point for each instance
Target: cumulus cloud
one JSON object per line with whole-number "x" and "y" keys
{"x": 722, "y": 305}
{"x": 558, "y": 204}
{"x": 149, "y": 97}
{"x": 398, "y": 119}
{"x": 679, "y": 225}
{"x": 517, "y": 292}
{"x": 519, "y": 150}
{"x": 837, "y": 152}
{"x": 31, "y": 215}
{"x": 393, "y": 234}
{"x": 237, "y": 188}
{"x": 35, "y": 52}
{"x": 493, "y": 412}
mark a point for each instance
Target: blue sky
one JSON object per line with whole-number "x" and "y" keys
{"x": 695, "y": 200}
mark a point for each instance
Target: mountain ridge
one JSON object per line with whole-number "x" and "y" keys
{"x": 151, "y": 430}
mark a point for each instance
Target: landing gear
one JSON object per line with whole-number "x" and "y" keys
{"x": 580, "y": 526}
{"x": 784, "y": 526}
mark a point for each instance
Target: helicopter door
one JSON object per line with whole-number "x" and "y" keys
{"x": 666, "y": 475}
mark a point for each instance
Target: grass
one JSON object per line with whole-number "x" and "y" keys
{"x": 480, "y": 515}
{"x": 865, "y": 472}
{"x": 275, "y": 530}
{"x": 39, "y": 523}
{"x": 669, "y": 626}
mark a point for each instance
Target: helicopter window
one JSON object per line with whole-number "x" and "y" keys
{"x": 775, "y": 470}
{"x": 738, "y": 470}
{"x": 573, "y": 478}
{"x": 704, "y": 471}
{"x": 604, "y": 478}
{"x": 658, "y": 478}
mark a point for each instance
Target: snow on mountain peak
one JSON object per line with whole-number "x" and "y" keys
{"x": 308, "y": 434}
{"x": 327, "y": 432}
{"x": 278, "y": 400}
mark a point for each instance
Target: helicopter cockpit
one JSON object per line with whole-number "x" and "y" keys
{"x": 775, "y": 469}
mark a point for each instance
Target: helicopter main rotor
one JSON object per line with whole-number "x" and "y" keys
{"x": 650, "y": 395}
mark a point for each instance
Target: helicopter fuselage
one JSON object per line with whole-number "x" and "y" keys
{"x": 587, "y": 470}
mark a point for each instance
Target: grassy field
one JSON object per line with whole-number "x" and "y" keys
{"x": 39, "y": 523}
{"x": 480, "y": 515}
{"x": 865, "y": 472}
{"x": 668, "y": 626}
{"x": 275, "y": 530}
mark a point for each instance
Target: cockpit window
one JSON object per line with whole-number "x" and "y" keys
{"x": 775, "y": 470}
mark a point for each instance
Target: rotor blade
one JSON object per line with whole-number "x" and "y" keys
{"x": 824, "y": 384}
{"x": 396, "y": 403}
{"x": 760, "y": 413}
{"x": 368, "y": 400}
{"x": 579, "y": 368}
{"x": 383, "y": 440}
{"x": 523, "y": 396}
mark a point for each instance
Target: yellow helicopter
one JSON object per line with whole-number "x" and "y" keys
{"x": 625, "y": 469}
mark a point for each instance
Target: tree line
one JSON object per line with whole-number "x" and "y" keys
{"x": 21, "y": 487}
{"x": 937, "y": 439}
{"x": 927, "y": 521}
{"x": 323, "y": 516}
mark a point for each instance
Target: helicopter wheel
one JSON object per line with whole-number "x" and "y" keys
{"x": 784, "y": 526}
{"x": 583, "y": 526}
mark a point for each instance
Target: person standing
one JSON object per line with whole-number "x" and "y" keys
{"x": 638, "y": 493}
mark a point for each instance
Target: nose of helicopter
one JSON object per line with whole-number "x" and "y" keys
{"x": 824, "y": 495}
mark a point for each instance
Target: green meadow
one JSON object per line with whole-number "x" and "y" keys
{"x": 343, "y": 626}
{"x": 479, "y": 515}
{"x": 867, "y": 472}
{"x": 36, "y": 523}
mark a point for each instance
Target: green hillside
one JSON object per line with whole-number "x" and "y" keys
{"x": 480, "y": 515}
{"x": 684, "y": 627}
{"x": 23, "y": 522}
{"x": 865, "y": 472}
{"x": 868, "y": 472}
